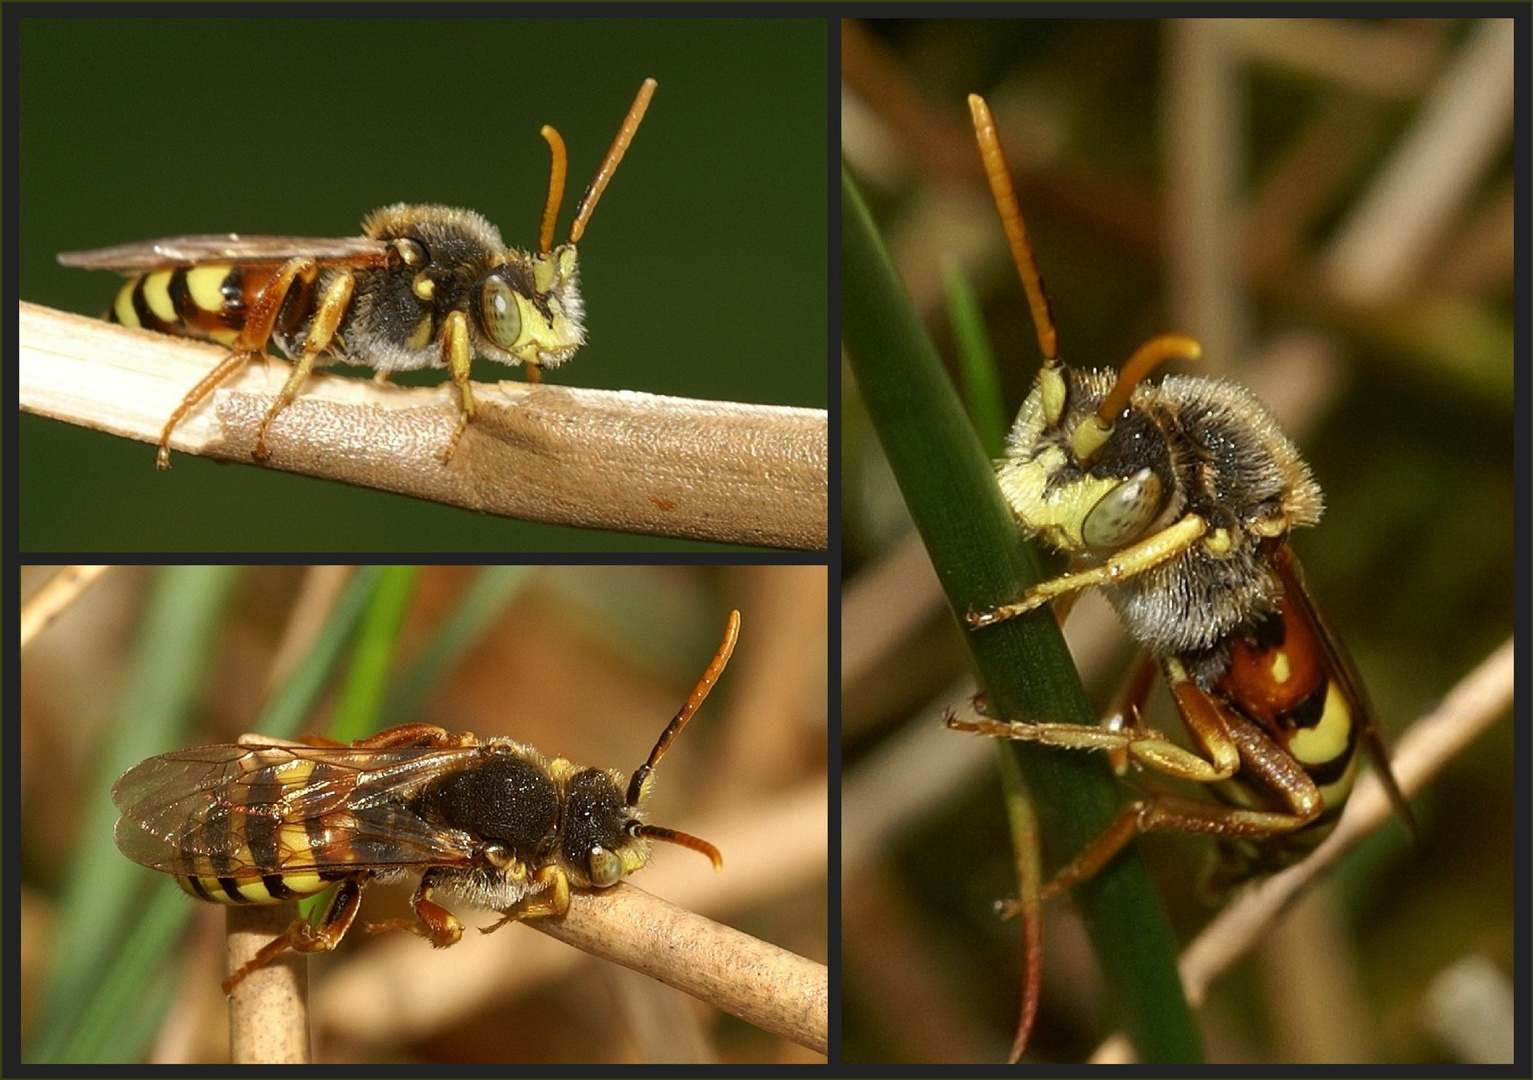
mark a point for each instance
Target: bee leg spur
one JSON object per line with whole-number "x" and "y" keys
{"x": 305, "y": 937}
{"x": 433, "y": 922}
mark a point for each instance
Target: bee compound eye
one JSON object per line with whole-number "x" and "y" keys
{"x": 1125, "y": 512}
{"x": 411, "y": 251}
{"x": 498, "y": 312}
{"x": 606, "y": 867}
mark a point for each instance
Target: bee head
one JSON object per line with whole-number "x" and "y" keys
{"x": 1086, "y": 469}
{"x": 605, "y": 836}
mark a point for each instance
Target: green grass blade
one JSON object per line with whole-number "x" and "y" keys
{"x": 977, "y": 375}
{"x": 360, "y": 707}
{"x": 175, "y": 654}
{"x": 981, "y": 560}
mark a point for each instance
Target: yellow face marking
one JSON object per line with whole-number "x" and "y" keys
{"x": 205, "y": 283}
{"x": 122, "y": 307}
{"x": 1327, "y": 740}
{"x": 1279, "y": 669}
{"x": 1055, "y": 515}
{"x": 157, "y": 295}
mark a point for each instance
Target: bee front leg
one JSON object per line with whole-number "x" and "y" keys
{"x": 549, "y": 895}
{"x": 305, "y": 937}
{"x": 433, "y": 922}
{"x": 458, "y": 357}
{"x": 1130, "y": 562}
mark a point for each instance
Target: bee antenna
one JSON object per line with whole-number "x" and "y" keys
{"x": 686, "y": 840}
{"x": 698, "y": 696}
{"x": 555, "y": 188}
{"x": 610, "y": 162}
{"x": 1016, "y": 230}
{"x": 1088, "y": 438}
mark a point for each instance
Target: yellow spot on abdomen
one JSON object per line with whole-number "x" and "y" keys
{"x": 205, "y": 283}
{"x": 157, "y": 295}
{"x": 1328, "y": 739}
{"x": 1279, "y": 669}
{"x": 122, "y": 307}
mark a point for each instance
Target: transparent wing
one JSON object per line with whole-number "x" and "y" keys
{"x": 254, "y": 808}
{"x": 228, "y": 248}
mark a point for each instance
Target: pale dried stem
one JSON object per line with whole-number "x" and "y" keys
{"x": 631, "y": 462}
{"x": 55, "y": 598}
{"x": 776, "y": 990}
{"x": 269, "y": 1008}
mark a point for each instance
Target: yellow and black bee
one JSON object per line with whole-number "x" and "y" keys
{"x": 423, "y": 287}
{"x": 493, "y": 824}
{"x": 1176, "y": 501}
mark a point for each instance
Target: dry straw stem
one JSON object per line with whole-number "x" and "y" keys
{"x": 269, "y": 1008}
{"x": 55, "y": 597}
{"x": 776, "y": 990}
{"x": 631, "y": 462}
{"x": 1479, "y": 699}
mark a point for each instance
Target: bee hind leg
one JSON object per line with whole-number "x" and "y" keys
{"x": 306, "y": 937}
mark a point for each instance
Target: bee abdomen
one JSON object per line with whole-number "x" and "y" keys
{"x": 208, "y": 302}
{"x": 264, "y": 889}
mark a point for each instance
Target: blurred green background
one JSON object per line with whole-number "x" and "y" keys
{"x": 702, "y": 269}
{"x": 1409, "y": 430}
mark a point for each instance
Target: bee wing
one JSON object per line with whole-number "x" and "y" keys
{"x": 226, "y": 809}
{"x": 1296, "y": 592}
{"x": 227, "y": 248}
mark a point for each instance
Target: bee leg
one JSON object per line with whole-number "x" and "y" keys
{"x": 1129, "y": 562}
{"x": 433, "y": 922}
{"x": 205, "y": 386}
{"x": 534, "y": 371}
{"x": 1162, "y": 813}
{"x": 1128, "y": 710}
{"x": 327, "y": 319}
{"x": 252, "y": 339}
{"x": 305, "y": 937}
{"x": 458, "y": 357}
{"x": 535, "y": 905}
{"x": 417, "y": 735}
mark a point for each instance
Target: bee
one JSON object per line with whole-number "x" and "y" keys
{"x": 493, "y": 824}
{"x": 1176, "y": 500}
{"x": 423, "y": 287}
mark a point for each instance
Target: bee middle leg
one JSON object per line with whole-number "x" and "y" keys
{"x": 433, "y": 922}
{"x": 327, "y": 319}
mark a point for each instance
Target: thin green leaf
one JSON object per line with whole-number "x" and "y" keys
{"x": 977, "y": 376}
{"x": 981, "y": 560}
{"x": 360, "y": 707}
